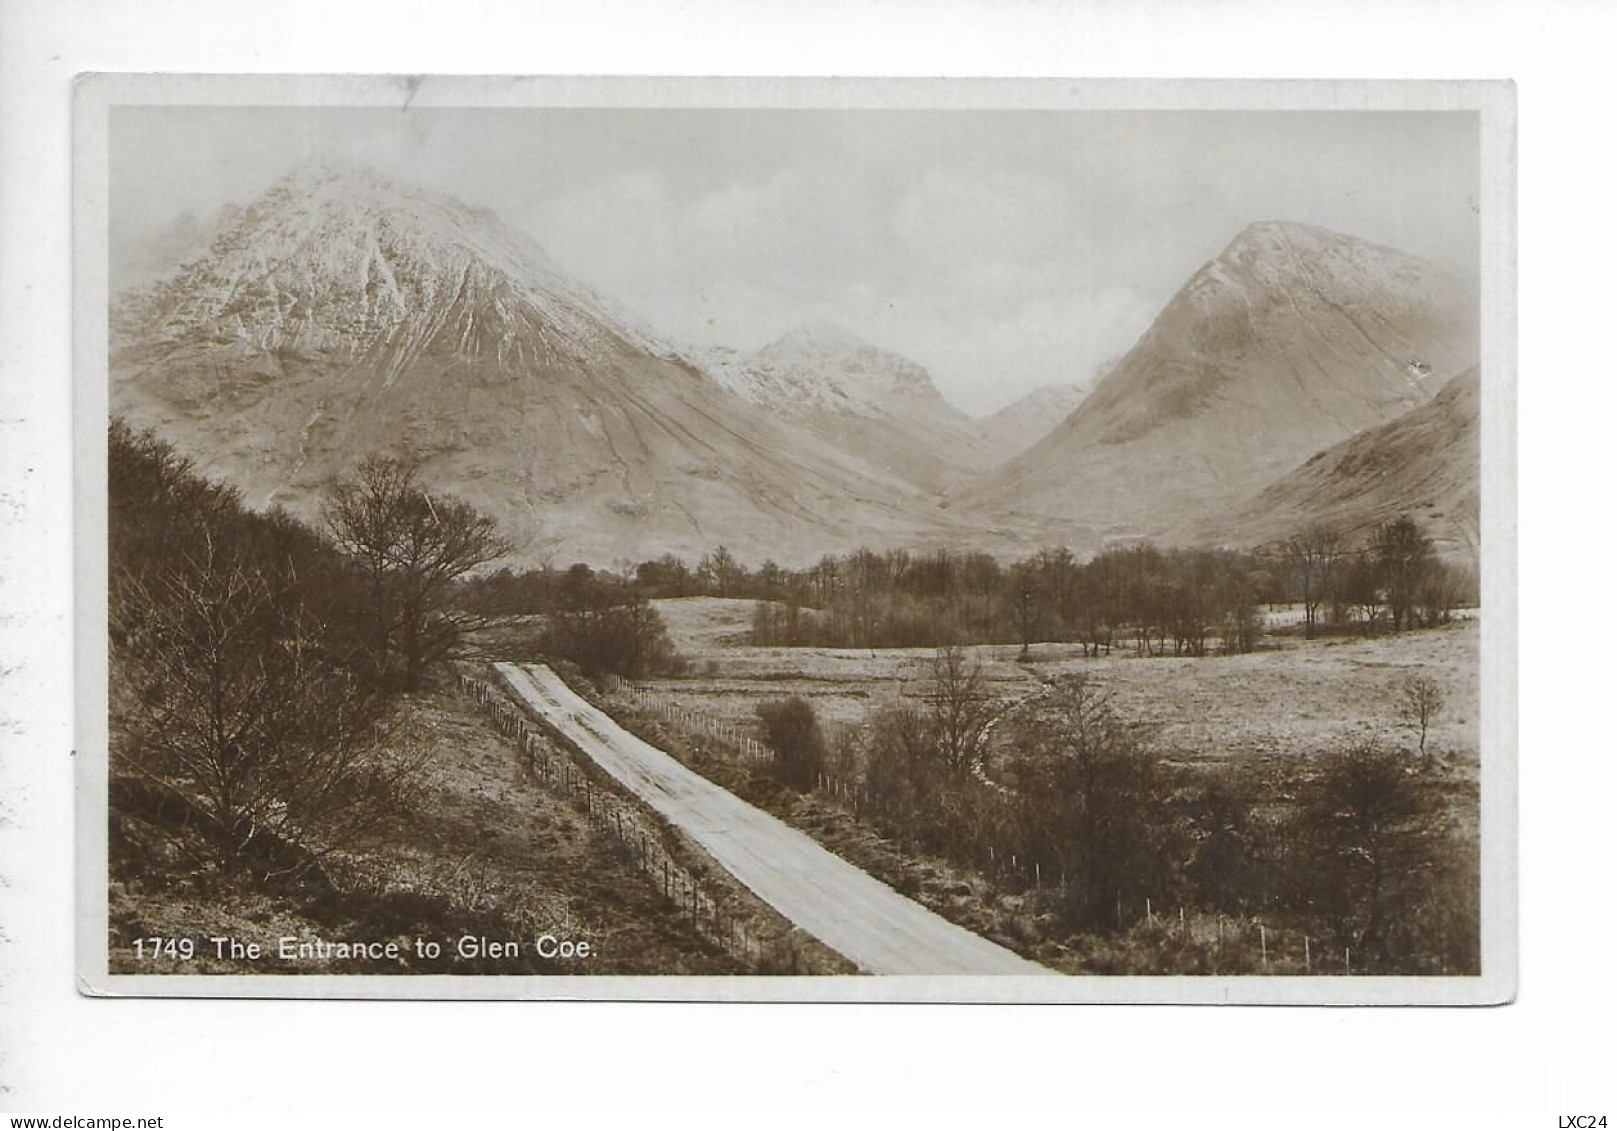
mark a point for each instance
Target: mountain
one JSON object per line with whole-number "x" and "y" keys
{"x": 1427, "y": 464}
{"x": 142, "y": 262}
{"x": 1292, "y": 339}
{"x": 1025, "y": 421}
{"x": 341, "y": 314}
{"x": 878, "y": 406}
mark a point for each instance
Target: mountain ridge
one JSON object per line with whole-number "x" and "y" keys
{"x": 340, "y": 314}
{"x": 877, "y": 405}
{"x": 1291, "y": 339}
{"x": 1013, "y": 429}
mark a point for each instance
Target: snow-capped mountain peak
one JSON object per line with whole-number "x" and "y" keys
{"x": 1288, "y": 341}
{"x": 1029, "y": 418}
{"x": 820, "y": 366}
{"x": 876, "y": 405}
{"x": 342, "y": 313}
{"x": 337, "y": 259}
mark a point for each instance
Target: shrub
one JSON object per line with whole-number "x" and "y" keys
{"x": 792, "y": 731}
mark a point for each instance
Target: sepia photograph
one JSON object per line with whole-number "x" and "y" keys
{"x": 741, "y": 539}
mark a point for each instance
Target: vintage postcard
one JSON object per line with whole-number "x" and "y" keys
{"x": 948, "y": 540}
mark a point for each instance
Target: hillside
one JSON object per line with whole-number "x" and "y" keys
{"x": 1027, "y": 420}
{"x": 341, "y": 314}
{"x": 1426, "y": 464}
{"x": 1291, "y": 340}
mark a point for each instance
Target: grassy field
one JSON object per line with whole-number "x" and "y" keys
{"x": 1290, "y": 701}
{"x": 1292, "y": 698}
{"x": 1007, "y": 911}
{"x": 482, "y": 849}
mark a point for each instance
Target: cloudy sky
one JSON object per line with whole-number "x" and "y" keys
{"x": 1001, "y": 249}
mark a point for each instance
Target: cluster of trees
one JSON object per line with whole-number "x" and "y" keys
{"x": 1186, "y": 601}
{"x": 254, "y": 657}
{"x": 599, "y": 620}
{"x": 1155, "y": 601}
{"x": 1392, "y": 576}
{"x": 605, "y": 627}
{"x": 1352, "y": 846}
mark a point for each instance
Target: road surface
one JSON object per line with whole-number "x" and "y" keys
{"x": 848, "y": 910}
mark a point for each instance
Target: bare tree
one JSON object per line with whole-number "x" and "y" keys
{"x": 723, "y": 573}
{"x": 1361, "y": 588}
{"x": 224, "y": 699}
{"x": 960, "y": 708}
{"x": 1313, "y": 556}
{"x": 413, "y": 548}
{"x": 1364, "y": 823}
{"x": 1422, "y": 702}
{"x": 1023, "y": 588}
{"x": 1092, "y": 800}
{"x": 1403, "y": 557}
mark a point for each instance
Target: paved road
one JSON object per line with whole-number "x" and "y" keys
{"x": 854, "y": 914}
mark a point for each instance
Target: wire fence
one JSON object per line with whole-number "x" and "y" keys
{"x": 728, "y": 737}
{"x": 724, "y": 919}
{"x": 1276, "y": 950}
{"x": 732, "y": 737}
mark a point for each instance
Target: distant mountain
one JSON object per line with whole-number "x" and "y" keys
{"x": 1292, "y": 339}
{"x": 341, "y": 314}
{"x": 1024, "y": 422}
{"x": 1427, "y": 464}
{"x": 878, "y": 406}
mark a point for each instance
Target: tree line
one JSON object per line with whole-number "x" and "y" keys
{"x": 1152, "y": 600}
{"x": 601, "y": 621}
{"x": 256, "y": 658}
{"x": 1392, "y": 577}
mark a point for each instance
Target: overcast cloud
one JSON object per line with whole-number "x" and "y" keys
{"x": 1001, "y": 249}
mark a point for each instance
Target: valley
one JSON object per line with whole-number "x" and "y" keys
{"x": 1336, "y": 689}
{"x": 1206, "y": 722}
{"x": 842, "y": 676}
{"x": 344, "y": 314}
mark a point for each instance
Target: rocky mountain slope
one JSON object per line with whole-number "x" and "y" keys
{"x": 881, "y": 408}
{"x": 1024, "y": 422}
{"x": 1427, "y": 464}
{"x": 1292, "y": 339}
{"x": 341, "y": 314}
